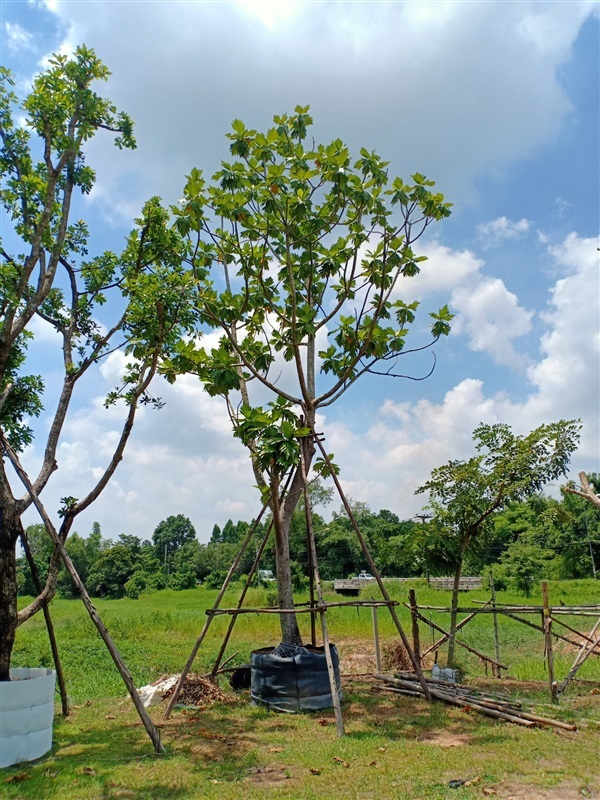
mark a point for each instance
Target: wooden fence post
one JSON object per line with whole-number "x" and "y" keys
{"x": 548, "y": 638}
{"x": 415, "y": 624}
{"x": 376, "y": 637}
{"x": 495, "y": 669}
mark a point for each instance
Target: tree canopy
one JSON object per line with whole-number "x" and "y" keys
{"x": 134, "y": 300}
{"x": 463, "y": 495}
{"x": 299, "y": 252}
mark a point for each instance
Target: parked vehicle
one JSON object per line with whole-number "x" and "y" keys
{"x": 352, "y": 586}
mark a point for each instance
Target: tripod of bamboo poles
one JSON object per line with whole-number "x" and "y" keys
{"x": 317, "y": 604}
{"x": 151, "y": 729}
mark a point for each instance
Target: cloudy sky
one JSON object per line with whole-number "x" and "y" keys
{"x": 495, "y": 101}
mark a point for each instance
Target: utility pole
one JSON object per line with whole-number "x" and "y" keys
{"x": 589, "y": 541}
{"x": 423, "y": 517}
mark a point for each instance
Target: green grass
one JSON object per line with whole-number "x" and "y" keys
{"x": 395, "y": 747}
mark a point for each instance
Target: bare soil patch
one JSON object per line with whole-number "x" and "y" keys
{"x": 445, "y": 738}
{"x": 269, "y": 776}
{"x": 565, "y": 791}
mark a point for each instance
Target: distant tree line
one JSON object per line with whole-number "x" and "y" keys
{"x": 539, "y": 537}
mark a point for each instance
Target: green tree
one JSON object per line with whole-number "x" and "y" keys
{"x": 525, "y": 562}
{"x": 111, "y": 572}
{"x": 229, "y": 534}
{"x": 396, "y": 550}
{"x": 169, "y": 535}
{"x": 40, "y": 546}
{"x": 577, "y": 529}
{"x": 184, "y": 566}
{"x": 299, "y": 254}
{"x": 464, "y": 495}
{"x": 134, "y": 300}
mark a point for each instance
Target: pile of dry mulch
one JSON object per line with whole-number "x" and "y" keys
{"x": 199, "y": 691}
{"x": 394, "y": 657}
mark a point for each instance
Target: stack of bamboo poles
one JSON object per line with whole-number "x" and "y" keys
{"x": 458, "y": 694}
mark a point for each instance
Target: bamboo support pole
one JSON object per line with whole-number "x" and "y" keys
{"x": 573, "y": 611}
{"x": 152, "y": 731}
{"x": 215, "y": 612}
{"x": 335, "y": 697}
{"x": 374, "y": 570}
{"x": 175, "y": 696}
{"x": 584, "y": 636}
{"x": 247, "y": 585}
{"x": 496, "y": 634}
{"x": 541, "y": 628}
{"x": 60, "y": 676}
{"x": 582, "y": 656}
{"x": 223, "y": 668}
{"x": 460, "y": 642}
{"x": 548, "y": 638}
{"x": 459, "y": 687}
{"x": 415, "y": 625}
{"x": 444, "y": 638}
{"x": 376, "y": 638}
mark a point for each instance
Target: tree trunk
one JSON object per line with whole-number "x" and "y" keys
{"x": 453, "y": 612}
{"x": 282, "y": 518}
{"x": 454, "y": 605}
{"x": 8, "y": 589}
{"x": 282, "y": 521}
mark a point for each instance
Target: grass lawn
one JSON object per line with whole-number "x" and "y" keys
{"x": 395, "y": 747}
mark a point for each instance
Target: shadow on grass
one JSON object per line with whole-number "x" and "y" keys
{"x": 105, "y": 753}
{"x": 400, "y": 718}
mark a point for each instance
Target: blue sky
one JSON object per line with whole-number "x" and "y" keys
{"x": 496, "y": 101}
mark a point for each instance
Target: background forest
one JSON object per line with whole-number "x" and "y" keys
{"x": 541, "y": 537}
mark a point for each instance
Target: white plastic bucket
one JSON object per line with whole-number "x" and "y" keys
{"x": 26, "y": 715}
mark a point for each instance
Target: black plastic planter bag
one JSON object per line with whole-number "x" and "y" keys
{"x": 293, "y": 678}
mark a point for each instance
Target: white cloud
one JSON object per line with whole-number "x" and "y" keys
{"x": 566, "y": 376}
{"x": 271, "y": 13}
{"x": 439, "y": 121}
{"x": 404, "y": 441}
{"x": 444, "y": 270}
{"x": 184, "y": 459}
{"x": 502, "y": 229}
{"x": 492, "y": 318}
{"x": 459, "y": 91}
{"x": 487, "y": 313}
{"x": 17, "y": 38}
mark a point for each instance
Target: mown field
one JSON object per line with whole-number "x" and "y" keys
{"x": 395, "y": 747}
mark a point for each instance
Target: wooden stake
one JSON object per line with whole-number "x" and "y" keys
{"x": 374, "y": 570}
{"x": 376, "y": 638}
{"x": 247, "y": 585}
{"x": 459, "y": 642}
{"x": 415, "y": 624}
{"x": 548, "y": 638}
{"x": 175, "y": 696}
{"x": 60, "y": 676}
{"x": 496, "y": 637}
{"x": 335, "y": 697}
{"x": 587, "y": 648}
